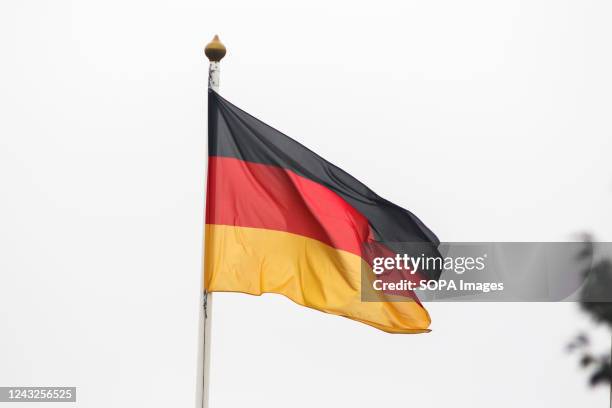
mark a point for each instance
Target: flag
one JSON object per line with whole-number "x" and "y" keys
{"x": 281, "y": 219}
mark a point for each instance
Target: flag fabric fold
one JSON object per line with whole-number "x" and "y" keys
{"x": 281, "y": 219}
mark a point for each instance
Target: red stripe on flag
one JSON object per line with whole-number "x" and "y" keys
{"x": 257, "y": 195}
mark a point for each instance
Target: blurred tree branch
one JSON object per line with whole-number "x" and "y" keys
{"x": 594, "y": 297}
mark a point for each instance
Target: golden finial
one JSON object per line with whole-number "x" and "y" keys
{"x": 215, "y": 50}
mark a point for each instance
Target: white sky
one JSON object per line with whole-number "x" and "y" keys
{"x": 489, "y": 120}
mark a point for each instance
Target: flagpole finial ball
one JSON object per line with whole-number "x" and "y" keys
{"x": 215, "y": 50}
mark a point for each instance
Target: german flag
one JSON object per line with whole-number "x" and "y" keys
{"x": 281, "y": 219}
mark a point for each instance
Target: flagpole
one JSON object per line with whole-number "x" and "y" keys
{"x": 215, "y": 51}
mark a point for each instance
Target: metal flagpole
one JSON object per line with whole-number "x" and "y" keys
{"x": 215, "y": 51}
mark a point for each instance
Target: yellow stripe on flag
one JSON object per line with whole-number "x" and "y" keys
{"x": 307, "y": 271}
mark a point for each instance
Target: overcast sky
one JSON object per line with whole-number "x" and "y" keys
{"x": 489, "y": 120}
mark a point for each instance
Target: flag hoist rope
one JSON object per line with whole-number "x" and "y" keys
{"x": 215, "y": 51}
